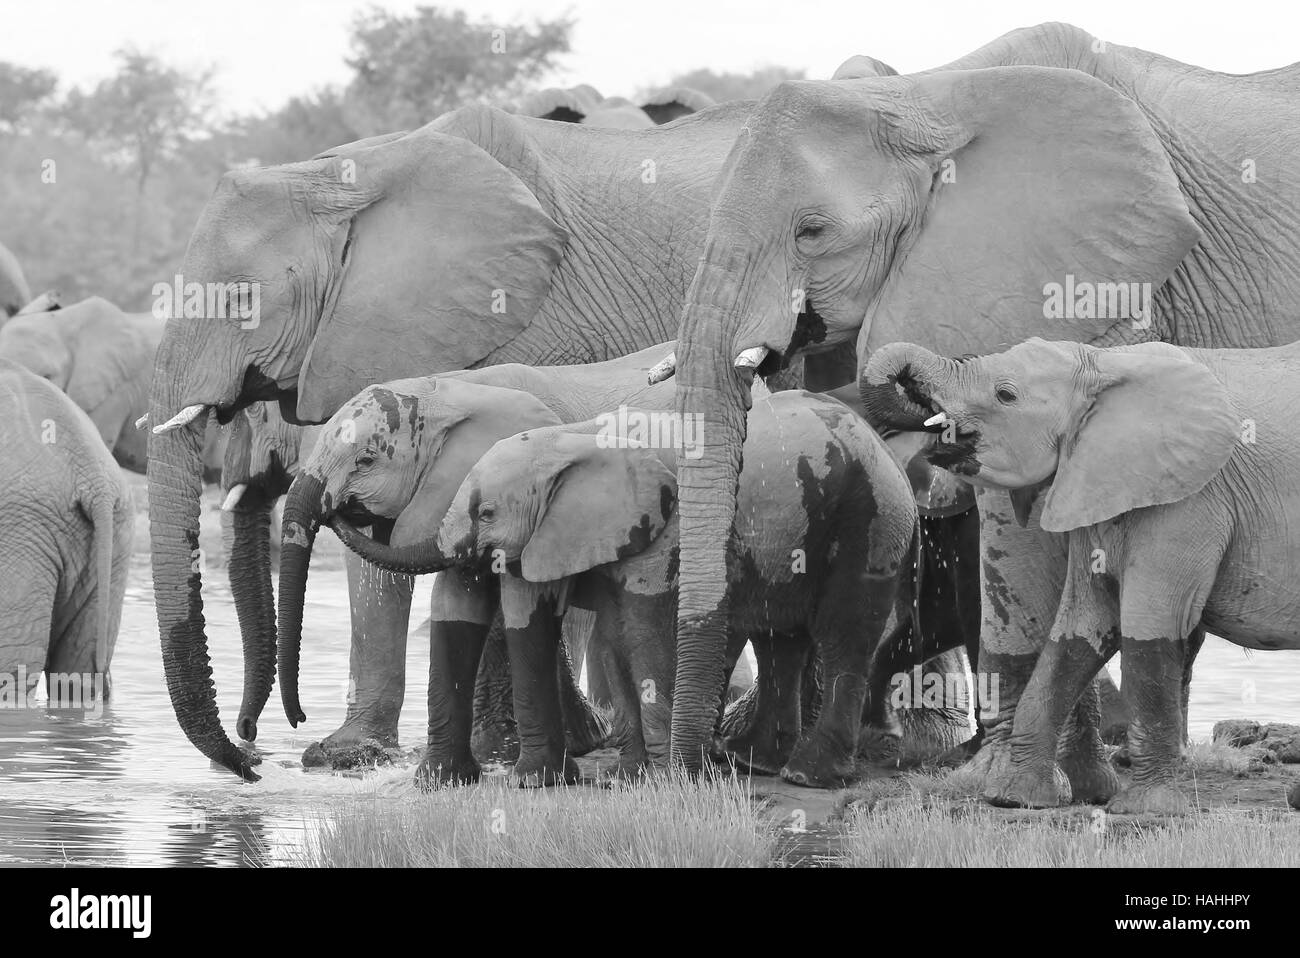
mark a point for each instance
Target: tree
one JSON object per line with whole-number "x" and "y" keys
{"x": 23, "y": 92}
{"x": 410, "y": 69}
{"x": 736, "y": 86}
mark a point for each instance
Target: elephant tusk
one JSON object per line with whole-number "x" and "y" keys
{"x": 142, "y": 421}
{"x": 751, "y": 358}
{"x": 182, "y": 418}
{"x": 232, "y": 498}
{"x": 663, "y": 369}
{"x": 936, "y": 419}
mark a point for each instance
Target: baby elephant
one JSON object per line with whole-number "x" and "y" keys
{"x": 824, "y": 523}
{"x": 1173, "y": 472}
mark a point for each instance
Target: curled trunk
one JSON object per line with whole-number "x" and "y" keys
{"x": 896, "y": 385}
{"x": 420, "y": 558}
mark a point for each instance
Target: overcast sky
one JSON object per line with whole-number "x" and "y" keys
{"x": 268, "y": 50}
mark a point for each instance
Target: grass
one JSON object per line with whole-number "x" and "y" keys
{"x": 971, "y": 835}
{"x": 665, "y": 822}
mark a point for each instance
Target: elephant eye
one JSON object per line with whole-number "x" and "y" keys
{"x": 366, "y": 458}
{"x": 1007, "y": 394}
{"x": 810, "y": 230}
{"x": 486, "y": 513}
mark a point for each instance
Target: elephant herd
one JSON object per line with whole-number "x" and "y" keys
{"x": 689, "y": 378}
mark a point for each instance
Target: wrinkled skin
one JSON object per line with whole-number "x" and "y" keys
{"x": 1170, "y": 472}
{"x": 68, "y": 523}
{"x": 817, "y": 559}
{"x": 14, "y": 292}
{"x": 935, "y": 208}
{"x": 482, "y": 238}
{"x": 103, "y": 359}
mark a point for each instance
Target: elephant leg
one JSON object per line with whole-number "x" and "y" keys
{"x": 608, "y": 651}
{"x": 460, "y": 614}
{"x": 1153, "y": 675}
{"x": 1194, "y": 643}
{"x": 1054, "y": 708}
{"x": 377, "y": 661}
{"x": 766, "y": 744}
{"x": 27, "y": 629}
{"x": 1022, "y": 574}
{"x": 533, "y": 625}
{"x": 495, "y": 737}
{"x": 585, "y": 729}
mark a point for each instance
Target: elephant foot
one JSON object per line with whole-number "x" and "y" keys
{"x": 624, "y": 771}
{"x": 880, "y": 746}
{"x": 495, "y": 742}
{"x": 353, "y": 734}
{"x": 817, "y": 763}
{"x": 585, "y": 730}
{"x": 1028, "y": 788}
{"x": 1159, "y": 799}
{"x": 437, "y": 771}
{"x": 542, "y": 771}
{"x": 1092, "y": 779}
{"x": 759, "y": 749}
{"x": 368, "y": 753}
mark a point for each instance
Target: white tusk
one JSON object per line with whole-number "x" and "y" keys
{"x": 936, "y": 419}
{"x": 751, "y": 358}
{"x": 142, "y": 421}
{"x": 182, "y": 418}
{"x": 663, "y": 369}
{"x": 232, "y": 498}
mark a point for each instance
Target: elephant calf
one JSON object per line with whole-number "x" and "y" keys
{"x": 66, "y": 536}
{"x": 1172, "y": 472}
{"x": 588, "y": 512}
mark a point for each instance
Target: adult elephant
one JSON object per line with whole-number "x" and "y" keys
{"x": 584, "y": 104}
{"x": 481, "y": 238}
{"x": 67, "y": 526}
{"x": 14, "y": 293}
{"x": 103, "y": 359}
{"x": 938, "y": 208}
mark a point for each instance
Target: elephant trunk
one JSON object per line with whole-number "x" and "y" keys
{"x": 712, "y": 386}
{"x": 175, "y": 484}
{"x": 302, "y": 510}
{"x": 897, "y": 383}
{"x": 250, "y": 585}
{"x": 420, "y": 558}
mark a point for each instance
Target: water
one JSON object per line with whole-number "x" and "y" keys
{"x": 127, "y": 788}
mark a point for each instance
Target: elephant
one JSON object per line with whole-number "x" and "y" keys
{"x": 481, "y": 238}
{"x": 957, "y": 209}
{"x": 14, "y": 292}
{"x": 584, "y": 513}
{"x": 583, "y": 104}
{"x": 1169, "y": 472}
{"x": 103, "y": 359}
{"x": 67, "y": 541}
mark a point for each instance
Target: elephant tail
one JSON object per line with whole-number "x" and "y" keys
{"x": 101, "y": 524}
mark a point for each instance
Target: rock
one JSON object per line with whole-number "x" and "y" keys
{"x": 1283, "y": 741}
{"x": 1237, "y": 732}
{"x": 369, "y": 754}
{"x": 1293, "y": 796}
{"x": 315, "y": 756}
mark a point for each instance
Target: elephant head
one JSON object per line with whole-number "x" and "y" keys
{"x": 583, "y": 104}
{"x": 302, "y": 281}
{"x": 397, "y": 451}
{"x": 1112, "y": 429}
{"x": 897, "y": 207}
{"x": 14, "y": 293}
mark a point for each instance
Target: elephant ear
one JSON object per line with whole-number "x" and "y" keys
{"x": 111, "y": 355}
{"x": 449, "y": 260}
{"x": 1039, "y": 174}
{"x": 564, "y": 106}
{"x": 604, "y": 504}
{"x": 673, "y": 102}
{"x": 1158, "y": 430}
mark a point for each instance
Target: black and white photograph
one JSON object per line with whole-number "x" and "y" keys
{"x": 689, "y": 434}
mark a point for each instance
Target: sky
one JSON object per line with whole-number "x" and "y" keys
{"x": 266, "y": 51}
